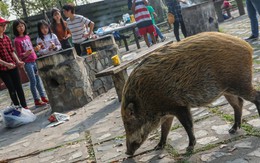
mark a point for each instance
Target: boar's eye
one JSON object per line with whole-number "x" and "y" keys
{"x": 132, "y": 125}
{"x": 129, "y": 111}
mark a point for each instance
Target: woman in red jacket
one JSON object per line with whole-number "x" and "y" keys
{"x": 8, "y": 67}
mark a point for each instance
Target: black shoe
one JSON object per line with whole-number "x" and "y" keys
{"x": 251, "y": 38}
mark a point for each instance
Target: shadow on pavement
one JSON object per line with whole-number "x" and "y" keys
{"x": 97, "y": 116}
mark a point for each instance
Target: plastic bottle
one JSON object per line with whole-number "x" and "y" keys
{"x": 126, "y": 18}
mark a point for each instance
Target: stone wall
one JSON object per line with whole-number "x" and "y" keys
{"x": 65, "y": 80}
{"x": 104, "y": 48}
{"x": 200, "y": 18}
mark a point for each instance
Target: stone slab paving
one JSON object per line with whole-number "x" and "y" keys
{"x": 208, "y": 131}
{"x": 151, "y": 157}
{"x": 96, "y": 131}
{"x": 242, "y": 151}
{"x": 35, "y": 137}
{"x": 114, "y": 150}
{"x": 249, "y": 110}
{"x": 68, "y": 153}
{"x": 108, "y": 136}
{"x": 108, "y": 128}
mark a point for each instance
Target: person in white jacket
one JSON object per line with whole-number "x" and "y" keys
{"x": 47, "y": 42}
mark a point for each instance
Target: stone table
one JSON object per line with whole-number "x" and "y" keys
{"x": 65, "y": 80}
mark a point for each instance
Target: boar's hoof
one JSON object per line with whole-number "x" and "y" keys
{"x": 159, "y": 146}
{"x": 189, "y": 149}
{"x": 129, "y": 153}
{"x": 232, "y": 130}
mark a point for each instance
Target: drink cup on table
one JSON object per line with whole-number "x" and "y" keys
{"x": 116, "y": 60}
{"x": 89, "y": 50}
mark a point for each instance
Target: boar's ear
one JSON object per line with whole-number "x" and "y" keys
{"x": 129, "y": 110}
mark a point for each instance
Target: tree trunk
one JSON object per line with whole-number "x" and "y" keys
{"x": 218, "y": 10}
{"x": 24, "y": 9}
{"x": 159, "y": 9}
{"x": 240, "y": 6}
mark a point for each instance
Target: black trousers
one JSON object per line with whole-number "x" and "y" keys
{"x": 11, "y": 78}
{"x": 65, "y": 44}
{"x": 176, "y": 29}
{"x": 78, "y": 49}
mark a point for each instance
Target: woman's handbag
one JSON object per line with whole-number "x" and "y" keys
{"x": 171, "y": 18}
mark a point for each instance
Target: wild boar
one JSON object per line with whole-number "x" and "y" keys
{"x": 177, "y": 77}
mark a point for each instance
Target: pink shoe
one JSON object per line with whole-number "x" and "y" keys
{"x": 44, "y": 99}
{"x": 39, "y": 103}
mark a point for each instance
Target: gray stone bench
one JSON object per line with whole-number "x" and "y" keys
{"x": 119, "y": 73}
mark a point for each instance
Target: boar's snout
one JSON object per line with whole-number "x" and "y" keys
{"x": 132, "y": 147}
{"x": 129, "y": 152}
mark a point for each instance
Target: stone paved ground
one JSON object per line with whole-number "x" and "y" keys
{"x": 96, "y": 133}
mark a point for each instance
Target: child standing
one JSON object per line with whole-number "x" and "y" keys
{"x": 26, "y": 53}
{"x": 81, "y": 28}
{"x": 47, "y": 40}
{"x": 153, "y": 15}
{"x": 8, "y": 67}
{"x": 143, "y": 19}
{"x": 59, "y": 27}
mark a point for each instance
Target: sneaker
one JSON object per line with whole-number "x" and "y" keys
{"x": 163, "y": 39}
{"x": 39, "y": 103}
{"x": 44, "y": 99}
{"x": 251, "y": 38}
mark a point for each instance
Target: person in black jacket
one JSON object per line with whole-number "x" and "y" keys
{"x": 129, "y": 3}
{"x": 175, "y": 8}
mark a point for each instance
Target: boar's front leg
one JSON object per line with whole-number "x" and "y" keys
{"x": 185, "y": 118}
{"x": 237, "y": 104}
{"x": 165, "y": 128}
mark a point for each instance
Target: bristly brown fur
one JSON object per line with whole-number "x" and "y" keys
{"x": 191, "y": 73}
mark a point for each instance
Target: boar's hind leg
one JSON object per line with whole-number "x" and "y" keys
{"x": 257, "y": 101}
{"x": 165, "y": 128}
{"x": 185, "y": 118}
{"x": 237, "y": 104}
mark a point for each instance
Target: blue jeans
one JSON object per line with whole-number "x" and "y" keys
{"x": 35, "y": 80}
{"x": 253, "y": 6}
{"x": 158, "y": 31}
